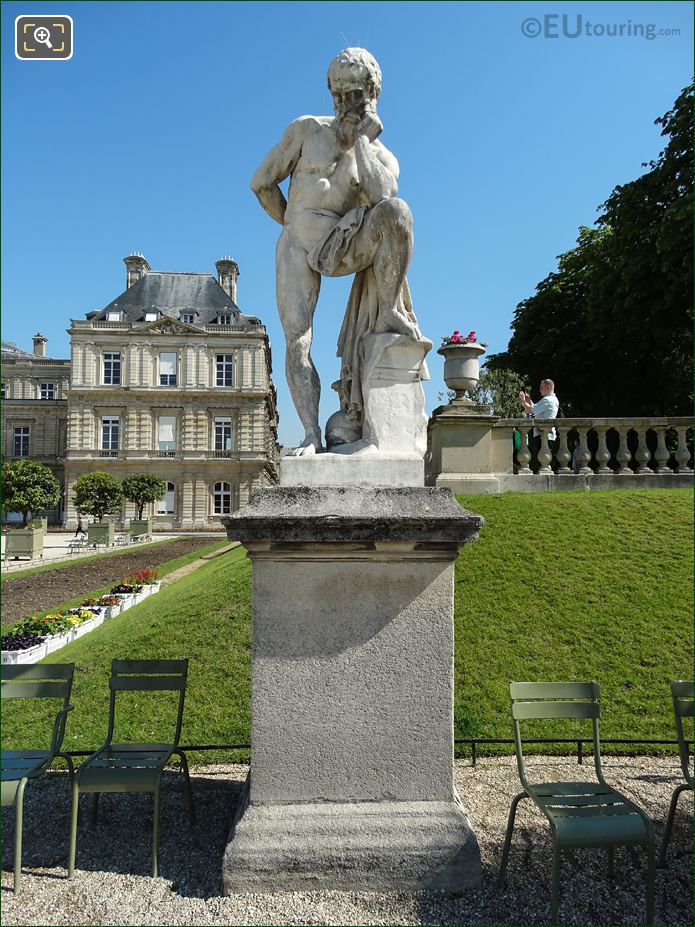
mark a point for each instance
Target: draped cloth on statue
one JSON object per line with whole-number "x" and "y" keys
{"x": 333, "y": 256}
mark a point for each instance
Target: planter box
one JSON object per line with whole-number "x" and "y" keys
{"x": 55, "y": 641}
{"x": 140, "y": 527}
{"x": 110, "y": 611}
{"x": 81, "y": 629}
{"x": 39, "y": 524}
{"x": 101, "y": 534}
{"x": 24, "y": 542}
{"x": 127, "y": 599}
{"x": 139, "y": 596}
{"x": 19, "y": 657}
{"x": 153, "y": 587}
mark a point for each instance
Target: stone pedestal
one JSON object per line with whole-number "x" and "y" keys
{"x": 466, "y": 453}
{"x": 351, "y": 782}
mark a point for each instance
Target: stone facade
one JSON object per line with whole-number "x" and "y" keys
{"x": 172, "y": 379}
{"x": 35, "y": 408}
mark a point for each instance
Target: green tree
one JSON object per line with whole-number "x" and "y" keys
{"x": 97, "y": 494}
{"x": 28, "y": 486}
{"x": 143, "y": 488}
{"x": 613, "y": 325}
{"x": 499, "y": 389}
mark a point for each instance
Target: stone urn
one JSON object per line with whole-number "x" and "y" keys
{"x": 461, "y": 367}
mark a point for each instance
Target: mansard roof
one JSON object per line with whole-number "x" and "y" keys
{"x": 170, "y": 293}
{"x": 10, "y": 350}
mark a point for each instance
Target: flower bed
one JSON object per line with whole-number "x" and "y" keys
{"x": 35, "y": 636}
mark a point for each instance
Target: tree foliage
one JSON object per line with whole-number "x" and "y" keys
{"x": 143, "y": 488}
{"x": 28, "y": 486}
{"x": 499, "y": 389}
{"x": 613, "y": 324}
{"x": 97, "y": 494}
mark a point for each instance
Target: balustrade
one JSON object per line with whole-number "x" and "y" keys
{"x": 617, "y": 447}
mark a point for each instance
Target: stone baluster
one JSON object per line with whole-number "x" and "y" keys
{"x": 603, "y": 455}
{"x": 583, "y": 454}
{"x": 523, "y": 455}
{"x": 545, "y": 455}
{"x": 624, "y": 456}
{"x": 563, "y": 455}
{"x": 662, "y": 455}
{"x": 643, "y": 454}
{"x": 683, "y": 453}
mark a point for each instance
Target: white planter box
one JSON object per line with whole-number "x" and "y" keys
{"x": 19, "y": 657}
{"x": 56, "y": 641}
{"x": 139, "y": 596}
{"x": 110, "y": 611}
{"x": 127, "y": 599}
{"x": 81, "y": 629}
{"x": 154, "y": 587}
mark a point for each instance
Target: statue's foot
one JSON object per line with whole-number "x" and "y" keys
{"x": 310, "y": 445}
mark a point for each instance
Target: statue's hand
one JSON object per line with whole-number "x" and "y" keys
{"x": 370, "y": 125}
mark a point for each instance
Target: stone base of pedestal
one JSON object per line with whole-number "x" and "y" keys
{"x": 321, "y": 470}
{"x": 351, "y": 846}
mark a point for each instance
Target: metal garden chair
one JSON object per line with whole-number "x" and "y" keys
{"x": 581, "y": 814}
{"x": 682, "y": 695}
{"x": 133, "y": 767}
{"x": 53, "y": 681}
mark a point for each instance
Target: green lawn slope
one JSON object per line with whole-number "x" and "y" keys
{"x": 559, "y": 586}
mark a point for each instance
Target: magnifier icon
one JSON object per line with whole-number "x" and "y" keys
{"x": 43, "y": 36}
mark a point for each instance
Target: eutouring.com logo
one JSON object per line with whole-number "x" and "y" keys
{"x": 575, "y": 26}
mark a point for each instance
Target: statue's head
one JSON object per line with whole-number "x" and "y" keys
{"x": 342, "y": 429}
{"x": 355, "y": 66}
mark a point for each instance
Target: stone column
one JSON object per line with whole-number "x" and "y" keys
{"x": 351, "y": 783}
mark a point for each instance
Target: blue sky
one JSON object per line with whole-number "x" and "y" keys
{"x": 147, "y": 138}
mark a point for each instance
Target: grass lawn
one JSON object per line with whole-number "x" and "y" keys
{"x": 559, "y": 586}
{"x": 7, "y": 577}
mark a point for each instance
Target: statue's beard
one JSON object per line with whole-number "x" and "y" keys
{"x": 347, "y": 123}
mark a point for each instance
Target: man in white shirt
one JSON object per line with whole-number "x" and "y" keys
{"x": 546, "y": 407}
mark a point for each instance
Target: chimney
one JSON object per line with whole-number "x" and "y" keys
{"x": 228, "y": 273}
{"x": 137, "y": 268}
{"x": 40, "y": 345}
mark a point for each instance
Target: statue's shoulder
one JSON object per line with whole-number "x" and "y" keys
{"x": 306, "y": 125}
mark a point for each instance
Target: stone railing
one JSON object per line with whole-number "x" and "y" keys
{"x": 606, "y": 446}
{"x": 470, "y": 451}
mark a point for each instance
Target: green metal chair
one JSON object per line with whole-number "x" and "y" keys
{"x": 53, "y": 681}
{"x": 132, "y": 767}
{"x": 581, "y": 814}
{"x": 682, "y": 695}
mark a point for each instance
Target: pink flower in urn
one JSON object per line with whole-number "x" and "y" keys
{"x": 458, "y": 338}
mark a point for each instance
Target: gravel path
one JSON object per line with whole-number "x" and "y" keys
{"x": 22, "y": 596}
{"x": 111, "y": 885}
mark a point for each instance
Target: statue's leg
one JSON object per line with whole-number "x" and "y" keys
{"x": 386, "y": 240}
{"x": 297, "y": 294}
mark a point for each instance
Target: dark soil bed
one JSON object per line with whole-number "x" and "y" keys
{"x": 36, "y": 593}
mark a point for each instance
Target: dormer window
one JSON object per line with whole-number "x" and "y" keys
{"x": 150, "y": 316}
{"x": 225, "y": 318}
{"x": 188, "y": 317}
{"x": 113, "y": 316}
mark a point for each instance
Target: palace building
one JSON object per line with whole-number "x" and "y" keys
{"x": 169, "y": 378}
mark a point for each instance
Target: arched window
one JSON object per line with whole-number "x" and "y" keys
{"x": 222, "y": 499}
{"x": 166, "y": 506}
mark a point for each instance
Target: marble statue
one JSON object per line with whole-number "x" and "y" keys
{"x": 342, "y": 216}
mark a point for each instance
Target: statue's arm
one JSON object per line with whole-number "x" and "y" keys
{"x": 277, "y": 165}
{"x": 377, "y": 169}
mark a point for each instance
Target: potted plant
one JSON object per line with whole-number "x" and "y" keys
{"x": 125, "y": 593}
{"x": 98, "y": 494}
{"x": 22, "y": 648}
{"x": 28, "y": 486}
{"x": 142, "y": 489}
{"x": 461, "y": 355}
{"x": 146, "y": 579}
